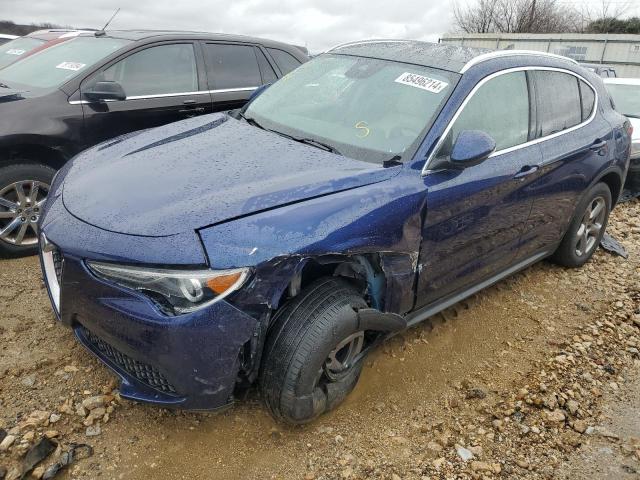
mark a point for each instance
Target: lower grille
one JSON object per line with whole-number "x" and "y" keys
{"x": 144, "y": 373}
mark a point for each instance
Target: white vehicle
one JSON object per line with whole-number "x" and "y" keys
{"x": 626, "y": 96}
{"x": 4, "y": 38}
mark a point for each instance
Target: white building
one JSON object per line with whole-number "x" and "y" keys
{"x": 620, "y": 51}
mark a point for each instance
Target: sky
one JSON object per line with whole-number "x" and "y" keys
{"x": 317, "y": 24}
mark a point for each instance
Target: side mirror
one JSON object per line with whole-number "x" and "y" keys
{"x": 105, "y": 91}
{"x": 472, "y": 147}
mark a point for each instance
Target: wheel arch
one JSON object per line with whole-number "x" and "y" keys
{"x": 48, "y": 155}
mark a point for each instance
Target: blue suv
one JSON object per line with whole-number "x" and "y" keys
{"x": 360, "y": 194}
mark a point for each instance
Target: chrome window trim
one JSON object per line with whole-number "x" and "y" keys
{"x": 165, "y": 95}
{"x": 511, "y": 53}
{"x": 426, "y": 170}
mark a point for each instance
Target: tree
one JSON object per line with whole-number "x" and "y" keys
{"x": 614, "y": 25}
{"x": 516, "y": 16}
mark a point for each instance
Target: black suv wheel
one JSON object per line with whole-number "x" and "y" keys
{"x": 23, "y": 190}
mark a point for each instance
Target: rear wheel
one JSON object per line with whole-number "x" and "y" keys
{"x": 23, "y": 191}
{"x": 586, "y": 228}
{"x": 313, "y": 356}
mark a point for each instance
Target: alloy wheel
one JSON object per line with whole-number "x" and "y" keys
{"x": 343, "y": 357}
{"x": 592, "y": 223}
{"x": 20, "y": 207}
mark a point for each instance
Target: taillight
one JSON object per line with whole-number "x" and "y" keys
{"x": 628, "y": 127}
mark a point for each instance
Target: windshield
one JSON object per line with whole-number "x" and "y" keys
{"x": 626, "y": 98}
{"x": 368, "y": 109}
{"x": 55, "y": 65}
{"x": 13, "y": 50}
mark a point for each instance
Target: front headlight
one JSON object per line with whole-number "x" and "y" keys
{"x": 174, "y": 291}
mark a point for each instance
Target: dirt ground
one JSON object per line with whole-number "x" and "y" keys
{"x": 537, "y": 377}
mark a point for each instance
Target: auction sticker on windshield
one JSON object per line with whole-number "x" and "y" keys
{"x": 425, "y": 83}
{"x": 74, "y": 66}
{"x": 15, "y": 51}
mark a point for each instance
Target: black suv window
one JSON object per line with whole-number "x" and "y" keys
{"x": 232, "y": 66}
{"x": 285, "y": 61}
{"x": 155, "y": 71}
{"x": 268, "y": 75}
{"x": 499, "y": 108}
{"x": 559, "y": 106}
{"x": 588, "y": 100}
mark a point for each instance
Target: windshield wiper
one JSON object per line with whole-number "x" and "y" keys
{"x": 318, "y": 144}
{"x": 631, "y": 115}
{"x": 250, "y": 120}
{"x": 392, "y": 162}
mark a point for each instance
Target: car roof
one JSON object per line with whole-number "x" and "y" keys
{"x": 138, "y": 35}
{"x": 622, "y": 81}
{"x": 449, "y": 57}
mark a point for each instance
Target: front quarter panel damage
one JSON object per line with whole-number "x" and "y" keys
{"x": 382, "y": 221}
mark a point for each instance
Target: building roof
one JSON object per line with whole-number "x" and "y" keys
{"x": 575, "y": 37}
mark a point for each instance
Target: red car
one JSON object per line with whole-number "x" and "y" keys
{"x": 22, "y": 47}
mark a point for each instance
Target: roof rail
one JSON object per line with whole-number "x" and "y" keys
{"x": 365, "y": 42}
{"x": 509, "y": 53}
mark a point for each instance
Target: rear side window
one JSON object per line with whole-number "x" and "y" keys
{"x": 268, "y": 75}
{"x": 559, "y": 105}
{"x": 588, "y": 100}
{"x": 285, "y": 61}
{"x": 499, "y": 108}
{"x": 232, "y": 66}
{"x": 157, "y": 70}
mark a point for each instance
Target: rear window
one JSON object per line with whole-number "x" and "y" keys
{"x": 559, "y": 104}
{"x": 588, "y": 100}
{"x": 15, "y": 49}
{"x": 285, "y": 61}
{"x": 232, "y": 66}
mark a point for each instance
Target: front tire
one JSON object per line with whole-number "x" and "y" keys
{"x": 312, "y": 356}
{"x": 23, "y": 191}
{"x": 586, "y": 229}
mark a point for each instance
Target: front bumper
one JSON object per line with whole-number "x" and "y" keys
{"x": 189, "y": 361}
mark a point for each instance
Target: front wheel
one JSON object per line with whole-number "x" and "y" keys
{"x": 313, "y": 355}
{"x": 23, "y": 191}
{"x": 586, "y": 228}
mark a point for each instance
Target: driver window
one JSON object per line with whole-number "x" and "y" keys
{"x": 499, "y": 108}
{"x": 155, "y": 71}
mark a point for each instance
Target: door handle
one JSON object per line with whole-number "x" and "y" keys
{"x": 526, "y": 170}
{"x": 192, "y": 111}
{"x": 598, "y": 145}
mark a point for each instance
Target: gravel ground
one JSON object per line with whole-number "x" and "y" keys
{"x": 537, "y": 377}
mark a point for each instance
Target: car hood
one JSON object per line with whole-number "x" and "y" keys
{"x": 201, "y": 172}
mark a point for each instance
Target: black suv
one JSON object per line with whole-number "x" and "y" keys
{"x": 100, "y": 85}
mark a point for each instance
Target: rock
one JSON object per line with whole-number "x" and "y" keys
{"x": 476, "y": 393}
{"x": 36, "y": 418}
{"x": 347, "y": 472}
{"x": 433, "y": 449}
{"x": 522, "y": 463}
{"x": 339, "y": 439}
{"x": 13, "y": 474}
{"x": 580, "y": 426}
{"x": 437, "y": 463}
{"x": 498, "y": 425}
{"x": 29, "y": 381}
{"x": 476, "y": 450}
{"x": 395, "y": 476}
{"x": 463, "y": 453}
{"x": 556, "y": 416}
{"x": 70, "y": 369}
{"x": 38, "y": 472}
{"x": 604, "y": 432}
{"x": 54, "y": 418}
{"x": 93, "y": 431}
{"x": 51, "y": 434}
{"x": 477, "y": 466}
{"x": 7, "y": 442}
{"x": 96, "y": 401}
{"x": 572, "y": 406}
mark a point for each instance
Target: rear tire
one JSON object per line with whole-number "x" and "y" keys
{"x": 23, "y": 189}
{"x": 302, "y": 373}
{"x": 586, "y": 229}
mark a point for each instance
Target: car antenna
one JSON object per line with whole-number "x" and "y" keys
{"x": 101, "y": 32}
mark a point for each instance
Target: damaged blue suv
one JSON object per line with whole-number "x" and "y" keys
{"x": 360, "y": 194}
